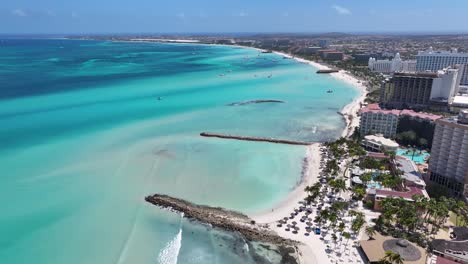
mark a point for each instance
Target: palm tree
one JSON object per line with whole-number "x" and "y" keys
{"x": 338, "y": 185}
{"x": 370, "y": 231}
{"x": 347, "y": 236}
{"x": 392, "y": 257}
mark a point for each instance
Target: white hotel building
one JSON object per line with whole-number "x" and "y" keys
{"x": 391, "y": 66}
{"x": 433, "y": 61}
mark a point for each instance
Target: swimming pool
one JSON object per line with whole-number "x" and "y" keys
{"x": 374, "y": 185}
{"x": 418, "y": 157}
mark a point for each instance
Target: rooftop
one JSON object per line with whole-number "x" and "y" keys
{"x": 410, "y": 171}
{"x": 381, "y": 140}
{"x": 408, "y": 195}
{"x": 375, "y": 108}
{"x": 375, "y": 249}
{"x": 461, "y": 100}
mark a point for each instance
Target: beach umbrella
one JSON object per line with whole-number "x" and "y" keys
{"x": 285, "y": 219}
{"x": 296, "y": 228}
{"x": 296, "y": 210}
{"x": 287, "y": 229}
{"x": 289, "y": 225}
{"x": 294, "y": 232}
{"x": 279, "y": 225}
{"x": 306, "y": 234}
{"x": 309, "y": 223}
{"x": 294, "y": 222}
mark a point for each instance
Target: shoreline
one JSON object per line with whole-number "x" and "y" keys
{"x": 312, "y": 249}
{"x": 349, "y": 111}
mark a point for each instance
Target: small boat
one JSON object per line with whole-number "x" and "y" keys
{"x": 329, "y": 91}
{"x": 159, "y": 98}
{"x": 221, "y": 75}
{"x": 269, "y": 76}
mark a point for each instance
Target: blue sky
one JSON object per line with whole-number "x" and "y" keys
{"x": 158, "y": 16}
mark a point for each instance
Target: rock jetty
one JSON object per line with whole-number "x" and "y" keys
{"x": 255, "y": 102}
{"x": 261, "y": 139}
{"x": 219, "y": 217}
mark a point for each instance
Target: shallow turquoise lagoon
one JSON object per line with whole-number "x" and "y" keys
{"x": 84, "y": 138}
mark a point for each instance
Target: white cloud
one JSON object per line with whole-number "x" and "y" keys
{"x": 19, "y": 12}
{"x": 50, "y": 13}
{"x": 243, "y": 14}
{"x": 341, "y": 10}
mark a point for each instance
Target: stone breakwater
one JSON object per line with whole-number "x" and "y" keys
{"x": 260, "y": 139}
{"x": 231, "y": 221}
{"x": 255, "y": 102}
{"x": 219, "y": 217}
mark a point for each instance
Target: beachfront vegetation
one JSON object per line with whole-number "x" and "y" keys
{"x": 391, "y": 258}
{"x": 417, "y": 221}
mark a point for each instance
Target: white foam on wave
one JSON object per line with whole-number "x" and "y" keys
{"x": 170, "y": 253}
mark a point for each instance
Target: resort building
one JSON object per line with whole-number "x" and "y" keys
{"x": 378, "y": 143}
{"x": 449, "y": 155}
{"x": 420, "y": 90}
{"x": 332, "y": 55}
{"x": 391, "y": 66}
{"x": 376, "y": 120}
{"x": 455, "y": 251}
{"x": 411, "y": 174}
{"x": 374, "y": 250}
{"x": 433, "y": 61}
{"x": 459, "y": 102}
{"x": 323, "y": 43}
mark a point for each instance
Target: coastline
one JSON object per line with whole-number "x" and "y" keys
{"x": 312, "y": 249}
{"x": 349, "y": 111}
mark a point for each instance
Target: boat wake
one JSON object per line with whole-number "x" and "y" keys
{"x": 170, "y": 253}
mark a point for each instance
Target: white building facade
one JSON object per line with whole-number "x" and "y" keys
{"x": 391, "y": 66}
{"x": 448, "y": 165}
{"x": 433, "y": 61}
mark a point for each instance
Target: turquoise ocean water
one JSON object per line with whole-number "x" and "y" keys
{"x": 84, "y": 138}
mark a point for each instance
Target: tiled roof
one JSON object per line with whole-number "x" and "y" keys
{"x": 406, "y": 195}
{"x": 375, "y": 108}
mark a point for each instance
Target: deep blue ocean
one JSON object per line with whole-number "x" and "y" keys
{"x": 89, "y": 128}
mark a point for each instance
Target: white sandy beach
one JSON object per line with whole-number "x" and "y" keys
{"x": 313, "y": 249}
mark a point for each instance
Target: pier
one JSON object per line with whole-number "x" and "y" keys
{"x": 258, "y": 139}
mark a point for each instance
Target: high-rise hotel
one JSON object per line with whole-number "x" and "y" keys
{"x": 431, "y": 60}
{"x": 448, "y": 165}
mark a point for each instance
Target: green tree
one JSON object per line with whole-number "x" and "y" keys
{"x": 392, "y": 257}
{"x": 370, "y": 232}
